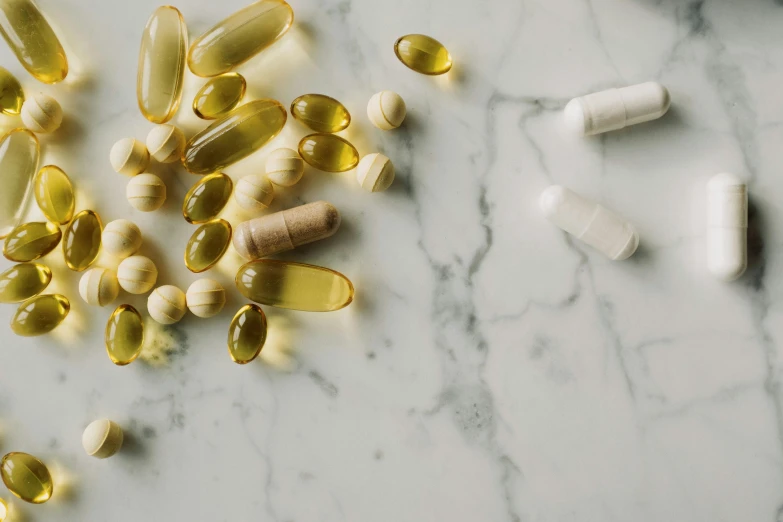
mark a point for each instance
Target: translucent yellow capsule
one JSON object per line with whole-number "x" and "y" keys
{"x": 297, "y": 286}
{"x": 235, "y": 136}
{"x": 423, "y": 54}
{"x": 32, "y": 40}
{"x": 219, "y": 96}
{"x": 26, "y": 477}
{"x": 18, "y": 163}
{"x": 320, "y": 113}
{"x": 11, "y": 93}
{"x": 54, "y": 194}
{"x": 206, "y": 199}
{"x": 23, "y": 281}
{"x": 207, "y": 245}
{"x": 124, "y": 335}
{"x": 164, "y": 46}
{"x": 239, "y": 37}
{"x": 82, "y": 240}
{"x": 247, "y": 334}
{"x": 3, "y": 510}
{"x": 328, "y": 152}
{"x": 40, "y": 315}
{"x": 30, "y": 241}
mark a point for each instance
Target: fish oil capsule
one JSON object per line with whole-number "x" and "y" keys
{"x": 11, "y": 93}
{"x": 166, "y": 304}
{"x": 727, "y": 226}
{"x": 129, "y": 157}
{"x": 615, "y": 109}
{"x": 82, "y": 240}
{"x": 121, "y": 238}
{"x": 30, "y": 241}
{"x": 296, "y": 286}
{"x": 219, "y": 96}
{"x": 590, "y": 222}
{"x": 239, "y": 37}
{"x": 375, "y": 173}
{"x": 42, "y": 114}
{"x": 164, "y": 45}
{"x": 137, "y": 274}
{"x": 26, "y": 477}
{"x": 247, "y": 334}
{"x": 207, "y": 245}
{"x": 284, "y": 167}
{"x": 206, "y": 199}
{"x": 254, "y": 193}
{"x": 54, "y": 193}
{"x": 19, "y": 152}
{"x": 320, "y": 113}
{"x": 99, "y": 286}
{"x": 328, "y": 152}
{"x": 386, "y": 110}
{"x": 165, "y": 143}
{"x": 39, "y": 315}
{"x": 32, "y": 40}
{"x": 205, "y": 298}
{"x": 234, "y": 137}
{"x": 124, "y": 335}
{"x": 423, "y": 54}
{"x": 23, "y": 281}
{"x": 102, "y": 438}
{"x": 146, "y": 192}
{"x": 285, "y": 230}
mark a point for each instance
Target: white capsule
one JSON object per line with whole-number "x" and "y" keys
{"x": 137, "y": 274}
{"x": 42, "y": 114}
{"x": 386, "y": 110}
{"x": 129, "y": 157}
{"x": 284, "y": 167}
{"x": 205, "y": 298}
{"x": 727, "y": 226}
{"x": 600, "y": 228}
{"x": 102, "y": 438}
{"x": 616, "y": 108}
{"x": 99, "y": 286}
{"x": 146, "y": 192}
{"x": 375, "y": 172}
{"x": 121, "y": 238}
{"x": 165, "y": 143}
{"x": 254, "y": 192}
{"x": 166, "y": 304}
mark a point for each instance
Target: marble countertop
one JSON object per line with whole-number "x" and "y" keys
{"x": 491, "y": 368}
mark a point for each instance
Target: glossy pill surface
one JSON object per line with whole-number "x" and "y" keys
{"x": 375, "y": 172}
{"x": 124, "y": 335}
{"x": 19, "y": 153}
{"x": 590, "y": 222}
{"x": 285, "y": 230}
{"x": 234, "y": 137}
{"x": 102, "y": 438}
{"x": 207, "y": 245}
{"x": 146, "y": 192}
{"x": 121, "y": 238}
{"x": 129, "y": 157}
{"x": 205, "y": 298}
{"x": 164, "y": 47}
{"x": 328, "y": 152}
{"x": 206, "y": 199}
{"x": 386, "y": 110}
{"x": 32, "y": 40}
{"x": 3, "y": 510}
{"x": 219, "y": 96}
{"x": 42, "y": 114}
{"x": 239, "y": 37}
{"x": 166, "y": 304}
{"x": 11, "y": 93}
{"x": 727, "y": 226}
{"x": 321, "y": 113}
{"x": 284, "y": 167}
{"x": 54, "y": 194}
{"x": 82, "y": 240}
{"x": 254, "y": 192}
{"x": 247, "y": 334}
{"x": 30, "y": 241}
{"x": 137, "y": 274}
{"x": 165, "y": 143}
{"x": 40, "y": 315}
{"x": 99, "y": 286}
{"x": 423, "y": 54}
{"x": 23, "y": 281}
{"x": 26, "y": 477}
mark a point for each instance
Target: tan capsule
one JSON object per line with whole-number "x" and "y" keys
{"x": 124, "y": 335}
{"x": 247, "y": 334}
{"x": 165, "y": 143}
{"x": 23, "y": 281}
{"x": 30, "y": 241}
{"x": 99, "y": 286}
{"x": 19, "y": 151}
{"x": 254, "y": 193}
{"x": 321, "y": 113}
{"x": 121, "y": 238}
{"x": 146, "y": 192}
{"x": 54, "y": 193}
{"x": 82, "y": 240}
{"x": 219, "y": 96}
{"x": 375, "y": 172}
{"x": 40, "y": 315}
{"x": 42, "y": 114}
{"x": 386, "y": 110}
{"x": 207, "y": 245}
{"x": 137, "y": 274}
{"x": 11, "y": 93}
{"x": 166, "y": 304}
{"x": 328, "y": 152}
{"x": 129, "y": 157}
{"x": 205, "y": 298}
{"x": 102, "y": 438}
{"x": 206, "y": 199}
{"x": 285, "y": 230}
{"x": 284, "y": 167}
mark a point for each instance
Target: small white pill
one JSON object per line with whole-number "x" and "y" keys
{"x": 615, "y": 109}
{"x": 600, "y": 228}
{"x": 727, "y": 226}
{"x": 99, "y": 286}
{"x": 375, "y": 172}
{"x": 284, "y": 167}
{"x": 102, "y": 438}
{"x": 205, "y": 298}
{"x": 386, "y": 110}
{"x": 121, "y": 238}
{"x": 137, "y": 274}
{"x": 166, "y": 143}
{"x": 146, "y": 192}
{"x": 254, "y": 192}
{"x": 129, "y": 157}
{"x": 42, "y": 114}
{"x": 166, "y": 304}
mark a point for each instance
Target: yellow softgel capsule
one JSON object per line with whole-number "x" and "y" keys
{"x": 19, "y": 153}
{"x": 26, "y": 477}
{"x": 321, "y": 113}
{"x": 423, "y": 54}
{"x": 54, "y": 193}
{"x": 32, "y": 40}
{"x": 11, "y": 93}
{"x": 40, "y": 315}
{"x": 23, "y": 281}
{"x": 247, "y": 334}
{"x": 296, "y": 286}
{"x": 207, "y": 245}
{"x": 219, "y": 96}
{"x": 82, "y": 240}
{"x": 124, "y": 335}
{"x": 239, "y": 37}
{"x": 164, "y": 47}
{"x": 328, "y": 152}
{"x": 30, "y": 241}
{"x": 206, "y": 199}
{"x": 235, "y": 136}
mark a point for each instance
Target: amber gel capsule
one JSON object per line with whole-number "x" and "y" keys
{"x": 247, "y": 334}
{"x": 124, "y": 335}
{"x": 423, "y": 54}
{"x": 82, "y": 240}
{"x": 320, "y": 113}
{"x": 23, "y": 281}
{"x": 164, "y": 45}
{"x": 235, "y": 136}
{"x": 30, "y": 241}
{"x": 219, "y": 96}
{"x": 32, "y": 40}
{"x": 11, "y": 93}
{"x": 239, "y": 37}
{"x": 26, "y": 477}
{"x": 40, "y": 315}
{"x": 18, "y": 163}
{"x": 206, "y": 199}
{"x": 54, "y": 193}
{"x": 207, "y": 245}
{"x": 328, "y": 152}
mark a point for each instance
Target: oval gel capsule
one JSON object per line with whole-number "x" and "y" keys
{"x": 32, "y": 40}
{"x": 19, "y": 152}
{"x": 727, "y": 226}
{"x": 26, "y": 477}
{"x": 207, "y": 245}
{"x": 423, "y": 54}
{"x": 11, "y": 93}
{"x": 321, "y": 113}
{"x": 82, "y": 240}
{"x": 590, "y": 222}
{"x": 124, "y": 335}
{"x": 219, "y": 96}
{"x": 40, "y": 315}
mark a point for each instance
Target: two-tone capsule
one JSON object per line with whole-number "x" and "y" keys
{"x": 32, "y": 40}
{"x": 82, "y": 240}
{"x": 206, "y": 199}
{"x": 54, "y": 194}
{"x": 23, "y": 281}
{"x": 11, "y": 93}
{"x": 207, "y": 245}
{"x": 26, "y": 477}
{"x": 124, "y": 335}
{"x": 321, "y": 113}
{"x": 40, "y": 315}
{"x": 219, "y": 96}
{"x": 423, "y": 54}
{"x": 30, "y": 241}
{"x": 247, "y": 334}
{"x": 19, "y": 153}
{"x": 727, "y": 226}
{"x": 328, "y": 152}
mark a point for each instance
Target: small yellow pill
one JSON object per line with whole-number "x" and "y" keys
{"x": 19, "y": 151}
{"x": 3, "y": 510}
{"x": 247, "y": 334}
{"x": 386, "y": 110}
{"x": 375, "y": 172}
{"x": 206, "y": 199}
{"x": 54, "y": 193}
{"x": 205, "y": 298}
{"x": 121, "y": 238}
{"x": 207, "y": 245}
{"x": 284, "y": 167}
{"x": 124, "y": 335}
{"x": 40, "y": 315}
{"x": 23, "y": 281}
{"x": 219, "y": 96}
{"x": 254, "y": 192}
{"x": 82, "y": 240}
{"x": 321, "y": 113}
{"x": 137, "y": 274}
{"x": 11, "y": 93}
{"x": 30, "y": 241}
{"x": 165, "y": 143}
{"x": 166, "y": 304}
{"x": 129, "y": 157}
{"x": 328, "y": 152}
{"x": 423, "y": 54}
{"x": 26, "y": 477}
{"x": 146, "y": 192}
{"x": 42, "y": 114}
{"x": 99, "y": 286}
{"x": 102, "y": 438}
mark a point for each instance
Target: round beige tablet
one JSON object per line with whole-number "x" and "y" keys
{"x": 375, "y": 172}
{"x": 166, "y": 304}
{"x": 42, "y": 114}
{"x": 254, "y": 192}
{"x": 102, "y": 438}
{"x": 137, "y": 274}
{"x": 129, "y": 157}
{"x": 284, "y": 167}
{"x": 166, "y": 143}
{"x": 99, "y": 286}
{"x": 121, "y": 238}
{"x": 146, "y": 192}
{"x": 205, "y": 298}
{"x": 386, "y": 110}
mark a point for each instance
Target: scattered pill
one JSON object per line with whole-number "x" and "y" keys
{"x": 33, "y": 41}
{"x": 166, "y": 304}
{"x": 206, "y": 198}
{"x": 23, "y": 281}
{"x": 386, "y": 110}
{"x": 82, "y": 240}
{"x": 207, "y": 245}
{"x": 124, "y": 335}
{"x": 40, "y": 314}
{"x": 375, "y": 172}
{"x": 423, "y": 54}
{"x": 11, "y": 93}
{"x": 328, "y": 152}
{"x": 146, "y": 192}
{"x": 30, "y": 241}
{"x": 165, "y": 143}
{"x": 727, "y": 226}
{"x": 205, "y": 298}
{"x": 219, "y": 96}
{"x": 254, "y": 192}
{"x": 121, "y": 238}
{"x": 19, "y": 153}
{"x": 129, "y": 157}
{"x": 247, "y": 334}
{"x": 284, "y": 167}
{"x": 99, "y": 286}
{"x": 54, "y": 194}
{"x": 321, "y": 113}
{"x": 137, "y": 274}
{"x": 102, "y": 438}
{"x": 26, "y": 477}
{"x": 42, "y": 114}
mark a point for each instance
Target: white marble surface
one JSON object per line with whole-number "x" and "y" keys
{"x": 491, "y": 369}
